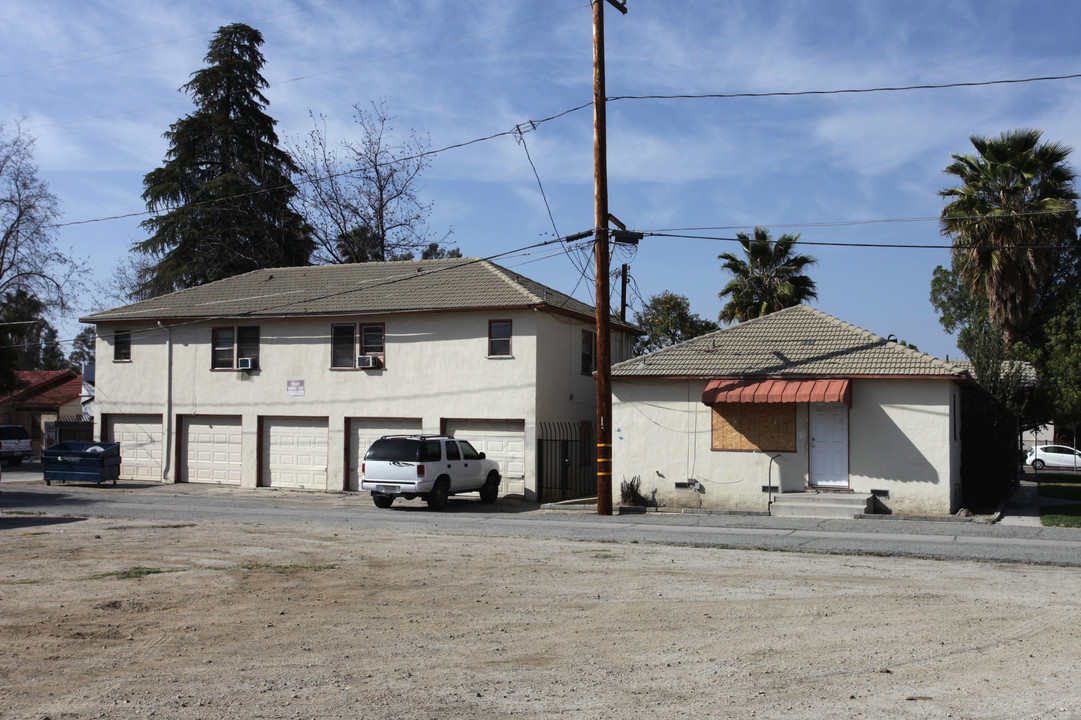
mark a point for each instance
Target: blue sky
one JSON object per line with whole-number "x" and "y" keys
{"x": 98, "y": 83}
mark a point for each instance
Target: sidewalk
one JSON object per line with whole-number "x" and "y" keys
{"x": 1023, "y": 507}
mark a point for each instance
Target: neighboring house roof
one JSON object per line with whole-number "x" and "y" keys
{"x": 1026, "y": 370}
{"x": 799, "y": 341}
{"x": 63, "y": 394}
{"x": 44, "y": 388}
{"x": 357, "y": 288}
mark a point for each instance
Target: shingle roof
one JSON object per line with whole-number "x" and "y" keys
{"x": 798, "y": 341}
{"x": 358, "y": 288}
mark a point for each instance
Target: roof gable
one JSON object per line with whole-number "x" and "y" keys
{"x": 30, "y": 385}
{"x": 799, "y": 341}
{"x": 357, "y": 288}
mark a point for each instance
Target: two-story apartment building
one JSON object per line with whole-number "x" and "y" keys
{"x": 283, "y": 377}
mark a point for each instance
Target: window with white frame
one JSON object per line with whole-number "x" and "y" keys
{"x": 499, "y": 337}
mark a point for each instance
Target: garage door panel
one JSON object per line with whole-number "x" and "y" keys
{"x": 295, "y": 452}
{"x": 213, "y": 450}
{"x": 140, "y": 438}
{"x": 363, "y": 431}
{"x": 500, "y": 440}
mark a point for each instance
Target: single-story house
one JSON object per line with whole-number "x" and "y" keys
{"x": 795, "y": 401}
{"x": 283, "y": 377}
{"x": 40, "y": 399}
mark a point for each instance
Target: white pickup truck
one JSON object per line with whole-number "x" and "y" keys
{"x": 14, "y": 444}
{"x": 432, "y": 467}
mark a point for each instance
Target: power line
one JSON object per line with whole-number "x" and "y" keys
{"x": 849, "y": 91}
{"x": 405, "y": 276}
{"x": 871, "y": 245}
{"x": 851, "y": 223}
{"x": 516, "y": 130}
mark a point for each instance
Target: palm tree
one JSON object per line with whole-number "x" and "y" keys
{"x": 770, "y": 279}
{"x": 1014, "y": 205}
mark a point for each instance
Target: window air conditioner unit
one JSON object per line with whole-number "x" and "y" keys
{"x": 368, "y": 362}
{"x": 244, "y": 364}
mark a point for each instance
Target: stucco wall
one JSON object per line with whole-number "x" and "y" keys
{"x": 564, "y": 394}
{"x": 900, "y": 441}
{"x": 435, "y": 367}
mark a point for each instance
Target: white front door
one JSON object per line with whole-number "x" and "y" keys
{"x": 829, "y": 445}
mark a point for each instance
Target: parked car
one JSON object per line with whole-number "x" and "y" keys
{"x": 14, "y": 444}
{"x": 1053, "y": 456}
{"x": 432, "y": 467}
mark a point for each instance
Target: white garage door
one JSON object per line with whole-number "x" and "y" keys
{"x": 500, "y": 440}
{"x": 365, "y": 431}
{"x": 212, "y": 450}
{"x": 295, "y": 453}
{"x": 140, "y": 441}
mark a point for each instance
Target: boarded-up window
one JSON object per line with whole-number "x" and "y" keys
{"x": 769, "y": 427}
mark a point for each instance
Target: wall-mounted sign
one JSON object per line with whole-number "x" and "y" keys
{"x": 294, "y": 387}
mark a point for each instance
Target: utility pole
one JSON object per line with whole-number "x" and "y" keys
{"x": 601, "y": 256}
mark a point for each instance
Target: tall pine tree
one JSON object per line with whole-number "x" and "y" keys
{"x": 222, "y": 198}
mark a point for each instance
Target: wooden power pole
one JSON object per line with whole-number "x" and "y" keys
{"x": 601, "y": 255}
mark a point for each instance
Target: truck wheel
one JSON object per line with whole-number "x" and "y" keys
{"x": 382, "y": 501}
{"x": 437, "y": 498}
{"x": 490, "y": 491}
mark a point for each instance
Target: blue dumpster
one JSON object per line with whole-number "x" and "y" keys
{"x": 81, "y": 462}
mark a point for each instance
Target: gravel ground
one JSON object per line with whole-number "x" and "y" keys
{"x": 245, "y": 621}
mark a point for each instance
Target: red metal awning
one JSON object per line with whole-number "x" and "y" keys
{"x": 778, "y": 391}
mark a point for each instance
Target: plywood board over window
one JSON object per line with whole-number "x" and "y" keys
{"x": 768, "y": 427}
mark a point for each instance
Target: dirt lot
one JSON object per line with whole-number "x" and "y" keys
{"x": 289, "y": 622}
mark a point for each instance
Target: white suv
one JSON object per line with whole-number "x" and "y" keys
{"x": 432, "y": 467}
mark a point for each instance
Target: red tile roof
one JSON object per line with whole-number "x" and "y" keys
{"x": 44, "y": 387}
{"x": 59, "y": 394}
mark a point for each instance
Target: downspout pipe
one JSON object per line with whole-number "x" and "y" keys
{"x": 167, "y": 414}
{"x": 769, "y": 484}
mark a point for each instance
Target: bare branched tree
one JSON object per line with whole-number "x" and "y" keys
{"x": 129, "y": 282}
{"x": 29, "y": 260}
{"x": 362, "y": 199}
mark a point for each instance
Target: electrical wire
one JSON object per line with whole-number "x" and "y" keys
{"x": 519, "y": 137}
{"x": 848, "y": 91}
{"x": 405, "y": 276}
{"x": 427, "y": 153}
{"x": 902, "y": 246}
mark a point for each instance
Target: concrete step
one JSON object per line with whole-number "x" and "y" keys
{"x": 840, "y": 505}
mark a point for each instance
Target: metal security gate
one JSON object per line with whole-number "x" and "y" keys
{"x": 566, "y": 466}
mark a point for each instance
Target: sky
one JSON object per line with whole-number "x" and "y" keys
{"x": 856, "y": 175}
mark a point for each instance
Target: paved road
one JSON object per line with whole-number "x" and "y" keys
{"x": 26, "y": 501}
